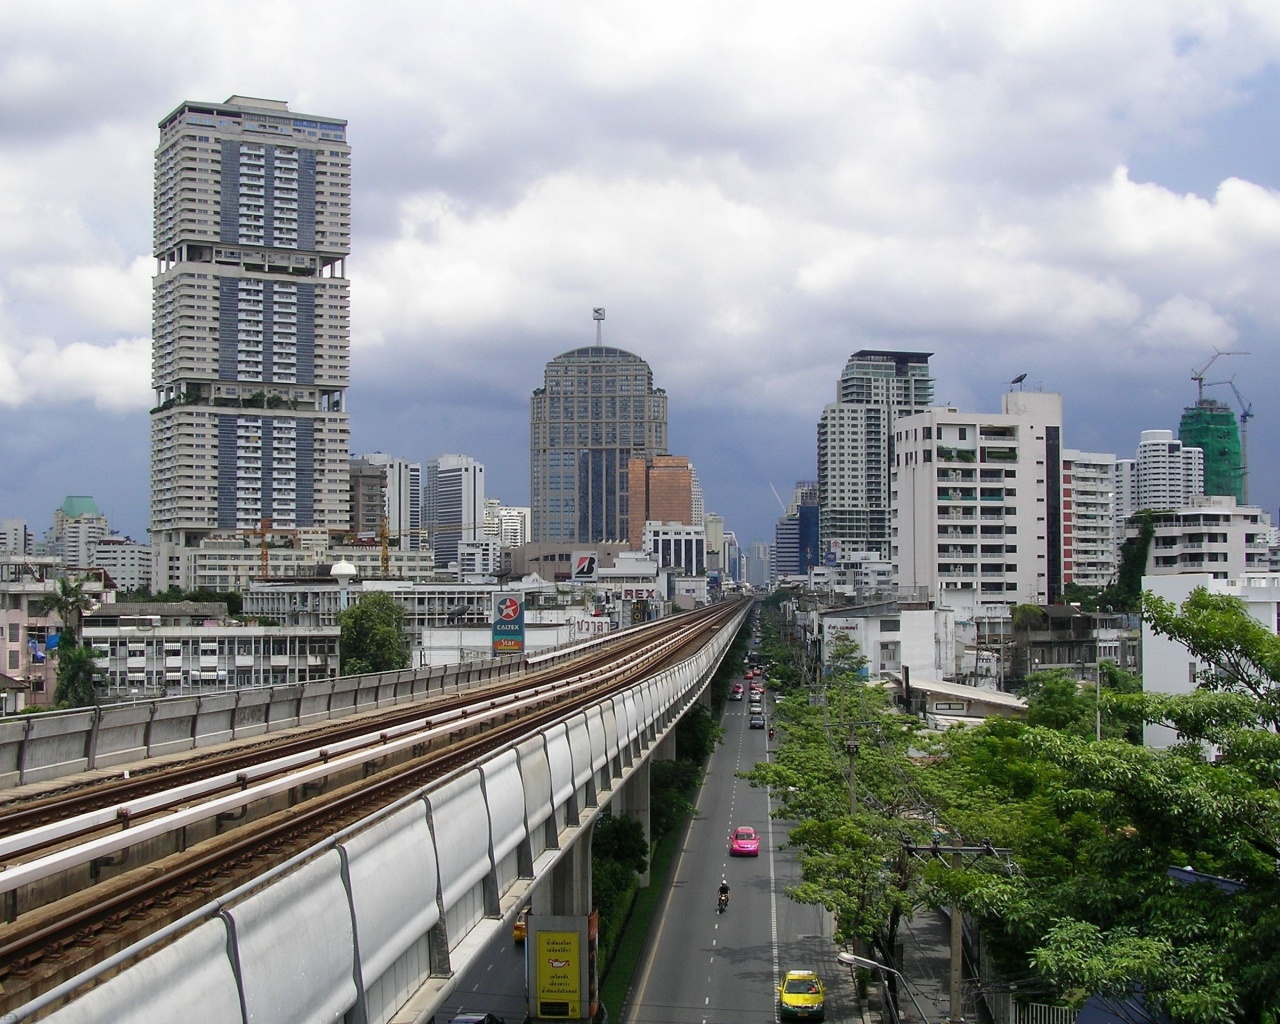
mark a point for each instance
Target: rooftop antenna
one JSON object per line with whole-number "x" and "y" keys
{"x": 1017, "y": 380}
{"x": 597, "y": 314}
{"x": 1197, "y": 374}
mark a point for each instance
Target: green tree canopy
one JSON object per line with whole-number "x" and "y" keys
{"x": 77, "y": 676}
{"x": 372, "y": 635}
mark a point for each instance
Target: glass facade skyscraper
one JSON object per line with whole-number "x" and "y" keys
{"x": 596, "y": 409}
{"x": 250, "y": 326}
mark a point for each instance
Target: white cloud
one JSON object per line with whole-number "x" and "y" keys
{"x": 753, "y": 191}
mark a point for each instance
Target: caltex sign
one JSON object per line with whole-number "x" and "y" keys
{"x": 508, "y": 624}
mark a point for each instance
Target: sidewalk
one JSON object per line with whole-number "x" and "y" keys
{"x": 926, "y": 970}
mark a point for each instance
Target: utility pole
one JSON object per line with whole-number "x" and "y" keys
{"x": 958, "y": 852}
{"x": 955, "y": 1013}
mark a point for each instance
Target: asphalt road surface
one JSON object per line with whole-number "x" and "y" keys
{"x": 704, "y": 967}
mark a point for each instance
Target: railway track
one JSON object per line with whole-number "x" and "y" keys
{"x": 76, "y": 896}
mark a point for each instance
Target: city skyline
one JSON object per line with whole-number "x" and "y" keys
{"x": 1013, "y": 190}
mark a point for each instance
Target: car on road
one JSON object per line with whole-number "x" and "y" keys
{"x": 755, "y": 707}
{"x": 756, "y": 721}
{"x": 744, "y": 841}
{"x": 801, "y": 996}
{"x": 520, "y": 930}
{"x": 465, "y": 1017}
{"x": 737, "y": 691}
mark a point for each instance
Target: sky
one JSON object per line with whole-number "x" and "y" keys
{"x": 1087, "y": 193}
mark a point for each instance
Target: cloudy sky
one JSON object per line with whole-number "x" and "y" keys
{"x": 1088, "y": 193}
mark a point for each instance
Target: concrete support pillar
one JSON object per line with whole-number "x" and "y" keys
{"x": 567, "y": 892}
{"x": 633, "y": 801}
{"x": 666, "y": 748}
{"x": 704, "y": 698}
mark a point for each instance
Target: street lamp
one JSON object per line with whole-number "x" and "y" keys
{"x": 850, "y": 960}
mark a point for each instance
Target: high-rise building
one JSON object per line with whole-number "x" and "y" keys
{"x": 77, "y": 528}
{"x": 368, "y": 485}
{"x": 596, "y": 410}
{"x": 978, "y": 519}
{"x": 402, "y": 504}
{"x": 855, "y": 446}
{"x": 250, "y": 334}
{"x": 1164, "y": 474}
{"x": 1211, "y": 426}
{"x": 758, "y": 561}
{"x": 1088, "y": 518}
{"x": 453, "y": 502}
{"x": 15, "y": 537}
{"x": 659, "y": 489}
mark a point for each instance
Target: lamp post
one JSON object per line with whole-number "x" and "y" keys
{"x": 851, "y": 961}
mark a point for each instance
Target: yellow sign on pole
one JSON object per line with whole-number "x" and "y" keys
{"x": 558, "y": 974}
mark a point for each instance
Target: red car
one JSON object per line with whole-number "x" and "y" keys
{"x": 744, "y": 841}
{"x": 737, "y": 691}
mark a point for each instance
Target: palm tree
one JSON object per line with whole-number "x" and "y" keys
{"x": 69, "y": 601}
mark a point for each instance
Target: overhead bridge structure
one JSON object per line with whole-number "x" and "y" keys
{"x": 371, "y": 925}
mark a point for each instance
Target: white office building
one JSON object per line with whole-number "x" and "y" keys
{"x": 453, "y": 502}
{"x": 250, "y": 324}
{"x": 677, "y": 546}
{"x": 1210, "y": 535}
{"x": 127, "y": 562}
{"x": 977, "y": 519}
{"x": 402, "y": 501}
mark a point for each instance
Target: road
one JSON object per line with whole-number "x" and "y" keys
{"x": 704, "y": 967}
{"x": 709, "y": 968}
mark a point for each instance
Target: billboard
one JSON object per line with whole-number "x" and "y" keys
{"x": 585, "y": 564}
{"x": 508, "y": 623}
{"x": 560, "y": 967}
{"x": 558, "y": 974}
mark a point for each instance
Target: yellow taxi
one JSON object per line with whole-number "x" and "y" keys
{"x": 801, "y": 996}
{"x": 520, "y": 930}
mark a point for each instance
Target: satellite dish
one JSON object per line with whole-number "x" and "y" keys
{"x": 1018, "y": 379}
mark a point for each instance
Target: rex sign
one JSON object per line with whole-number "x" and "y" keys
{"x": 508, "y": 623}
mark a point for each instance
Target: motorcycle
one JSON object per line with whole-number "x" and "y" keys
{"x": 723, "y": 903}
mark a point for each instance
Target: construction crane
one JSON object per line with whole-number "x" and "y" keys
{"x": 1246, "y": 414}
{"x": 1197, "y": 374}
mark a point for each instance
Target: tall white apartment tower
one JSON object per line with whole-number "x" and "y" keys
{"x": 855, "y": 447}
{"x": 1089, "y": 546}
{"x": 977, "y": 518}
{"x": 1166, "y": 474}
{"x": 453, "y": 503}
{"x": 250, "y": 325}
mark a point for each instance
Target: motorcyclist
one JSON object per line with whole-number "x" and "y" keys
{"x": 724, "y": 892}
{"x": 770, "y": 732}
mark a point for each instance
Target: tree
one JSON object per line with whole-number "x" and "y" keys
{"x": 77, "y": 676}
{"x": 69, "y": 601}
{"x": 1054, "y": 700}
{"x": 851, "y": 862}
{"x": 1242, "y": 654}
{"x": 372, "y": 636}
